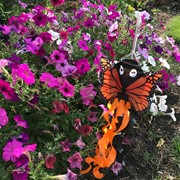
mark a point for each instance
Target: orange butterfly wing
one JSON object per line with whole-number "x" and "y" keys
{"x": 111, "y": 84}
{"x": 139, "y": 91}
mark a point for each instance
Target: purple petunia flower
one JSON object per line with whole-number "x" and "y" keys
{"x": 66, "y": 145}
{"x": 68, "y": 70}
{"x": 75, "y": 160}
{"x": 116, "y": 167}
{"x": 92, "y": 117}
{"x": 20, "y": 121}
{"x": 49, "y": 79}
{"x": 3, "y": 117}
{"x": 89, "y": 23}
{"x": 158, "y": 49}
{"x": 82, "y": 66}
{"x": 82, "y": 44}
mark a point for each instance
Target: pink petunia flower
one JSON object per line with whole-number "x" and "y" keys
{"x": 87, "y": 94}
{"x": 49, "y": 79}
{"x": 66, "y": 145}
{"x": 20, "y": 121}
{"x": 82, "y": 66}
{"x": 3, "y": 117}
{"x": 79, "y": 143}
{"x": 75, "y": 160}
{"x": 22, "y": 4}
{"x": 83, "y": 45}
{"x": 3, "y": 63}
{"x": 71, "y": 175}
{"x": 67, "y": 89}
{"x": 58, "y": 57}
{"x": 12, "y": 150}
{"x": 50, "y": 160}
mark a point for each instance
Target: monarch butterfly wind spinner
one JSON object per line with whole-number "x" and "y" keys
{"x": 126, "y": 88}
{"x": 127, "y": 81}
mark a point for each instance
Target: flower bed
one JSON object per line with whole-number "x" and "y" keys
{"x": 51, "y": 105}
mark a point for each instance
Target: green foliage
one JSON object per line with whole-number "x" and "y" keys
{"x": 173, "y": 28}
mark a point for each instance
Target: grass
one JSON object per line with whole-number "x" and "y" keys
{"x": 173, "y": 28}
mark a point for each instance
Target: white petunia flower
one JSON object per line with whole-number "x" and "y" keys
{"x": 162, "y": 103}
{"x": 164, "y": 63}
{"x": 178, "y": 80}
{"x": 113, "y": 27}
{"x": 151, "y": 61}
{"x": 172, "y": 114}
{"x": 158, "y": 89}
{"x": 145, "y": 68}
{"x": 154, "y": 109}
{"x": 154, "y": 98}
{"x": 54, "y": 34}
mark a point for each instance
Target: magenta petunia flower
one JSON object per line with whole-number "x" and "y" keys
{"x": 6, "y": 90}
{"x": 87, "y": 94}
{"x": 3, "y": 117}
{"x": 66, "y": 145}
{"x": 57, "y": 57}
{"x": 57, "y": 2}
{"x": 21, "y": 122}
{"x": 92, "y": 117}
{"x": 12, "y": 150}
{"x": 21, "y": 161}
{"x": 82, "y": 44}
{"x": 20, "y": 174}
{"x": 23, "y": 72}
{"x": 75, "y": 160}
{"x": 89, "y": 23}
{"x": 45, "y": 36}
{"x": 49, "y": 79}
{"x": 82, "y": 66}
{"x": 67, "y": 89}
{"x": 40, "y": 19}
{"x": 116, "y": 167}
{"x": 5, "y": 29}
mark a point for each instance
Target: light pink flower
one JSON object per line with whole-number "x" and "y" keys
{"x": 75, "y": 160}
{"x": 3, "y": 63}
